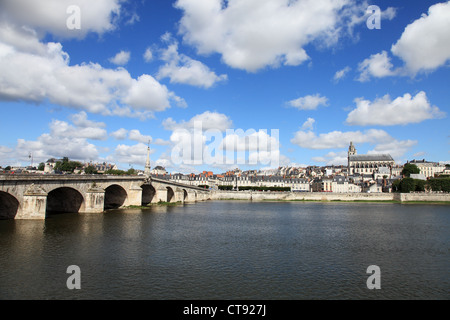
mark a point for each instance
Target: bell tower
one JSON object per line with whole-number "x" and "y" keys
{"x": 351, "y": 149}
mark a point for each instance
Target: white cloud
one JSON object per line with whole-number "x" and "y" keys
{"x": 204, "y": 121}
{"x": 338, "y": 139}
{"x": 131, "y": 155}
{"x": 384, "y": 143}
{"x": 308, "y": 124}
{"x": 377, "y": 65}
{"x": 425, "y": 43}
{"x": 80, "y": 119}
{"x": 253, "y": 34}
{"x": 180, "y": 68}
{"x": 341, "y": 73}
{"x": 120, "y": 134}
{"x": 148, "y": 55}
{"x": 387, "y": 112}
{"x": 121, "y": 58}
{"x": 333, "y": 158}
{"x": 63, "y": 140}
{"x": 395, "y": 148}
{"x": 37, "y": 72}
{"x": 51, "y": 16}
{"x": 136, "y": 135}
{"x": 309, "y": 102}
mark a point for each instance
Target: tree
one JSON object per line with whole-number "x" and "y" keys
{"x": 7, "y": 168}
{"x": 407, "y": 185}
{"x": 131, "y": 172}
{"x": 41, "y": 166}
{"x": 90, "y": 170}
{"x": 67, "y": 166}
{"x": 409, "y": 168}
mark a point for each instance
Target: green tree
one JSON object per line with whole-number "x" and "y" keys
{"x": 41, "y": 166}
{"x": 7, "y": 168}
{"x": 67, "y": 166}
{"x": 131, "y": 172}
{"x": 409, "y": 168}
{"x": 407, "y": 185}
{"x": 90, "y": 170}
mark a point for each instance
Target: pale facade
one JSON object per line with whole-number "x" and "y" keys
{"x": 428, "y": 169}
{"x": 367, "y": 163}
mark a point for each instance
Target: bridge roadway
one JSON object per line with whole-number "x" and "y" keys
{"x": 37, "y": 196}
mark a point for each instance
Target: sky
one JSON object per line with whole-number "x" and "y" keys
{"x": 217, "y": 85}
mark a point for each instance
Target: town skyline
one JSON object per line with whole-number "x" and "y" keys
{"x": 173, "y": 73}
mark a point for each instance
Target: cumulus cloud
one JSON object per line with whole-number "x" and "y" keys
{"x": 425, "y": 43}
{"x": 387, "y": 112}
{"x": 120, "y": 134}
{"x": 121, "y": 58}
{"x": 308, "y": 124}
{"x": 423, "y": 47}
{"x": 63, "y": 140}
{"x": 377, "y": 65}
{"x": 136, "y": 135}
{"x": 309, "y": 102}
{"x": 383, "y": 141}
{"x": 204, "y": 121}
{"x": 148, "y": 55}
{"x": 180, "y": 68}
{"x": 131, "y": 155}
{"x": 333, "y": 158}
{"x": 36, "y": 72}
{"x": 337, "y": 139}
{"x": 252, "y": 34}
{"x": 340, "y": 74}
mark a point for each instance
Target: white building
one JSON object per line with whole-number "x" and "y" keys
{"x": 367, "y": 163}
{"x": 428, "y": 168}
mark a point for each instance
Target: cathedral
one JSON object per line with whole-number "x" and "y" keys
{"x": 367, "y": 163}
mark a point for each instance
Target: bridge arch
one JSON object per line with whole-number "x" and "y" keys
{"x": 170, "y": 194}
{"x": 185, "y": 195}
{"x": 148, "y": 194}
{"x": 64, "y": 200}
{"x": 9, "y": 206}
{"x": 115, "y": 196}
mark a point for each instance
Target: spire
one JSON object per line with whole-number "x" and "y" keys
{"x": 147, "y": 162}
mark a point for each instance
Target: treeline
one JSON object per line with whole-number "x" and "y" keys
{"x": 253, "y": 188}
{"x": 407, "y": 184}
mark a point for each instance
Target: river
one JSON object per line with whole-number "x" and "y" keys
{"x": 232, "y": 250}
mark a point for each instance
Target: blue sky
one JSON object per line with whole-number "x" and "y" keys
{"x": 311, "y": 75}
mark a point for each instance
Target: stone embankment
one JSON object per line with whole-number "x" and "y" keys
{"x": 328, "y": 196}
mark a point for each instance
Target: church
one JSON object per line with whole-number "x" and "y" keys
{"x": 367, "y": 163}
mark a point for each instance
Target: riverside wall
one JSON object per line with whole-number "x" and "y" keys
{"x": 327, "y": 196}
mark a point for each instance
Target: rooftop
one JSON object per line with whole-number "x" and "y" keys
{"x": 371, "y": 157}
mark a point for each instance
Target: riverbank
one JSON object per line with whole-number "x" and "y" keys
{"x": 442, "y": 198}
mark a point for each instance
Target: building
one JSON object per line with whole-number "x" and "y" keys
{"x": 428, "y": 168}
{"x": 367, "y": 163}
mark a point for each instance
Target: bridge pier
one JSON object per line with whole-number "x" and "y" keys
{"x": 95, "y": 200}
{"x": 34, "y": 204}
{"x": 134, "y": 196}
{"x": 160, "y": 195}
{"x": 179, "y": 195}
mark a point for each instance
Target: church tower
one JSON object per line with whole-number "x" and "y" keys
{"x": 147, "y": 162}
{"x": 351, "y": 152}
{"x": 351, "y": 149}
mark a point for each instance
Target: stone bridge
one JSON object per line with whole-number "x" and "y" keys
{"x": 37, "y": 196}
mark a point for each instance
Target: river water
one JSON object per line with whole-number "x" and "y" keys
{"x": 232, "y": 250}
